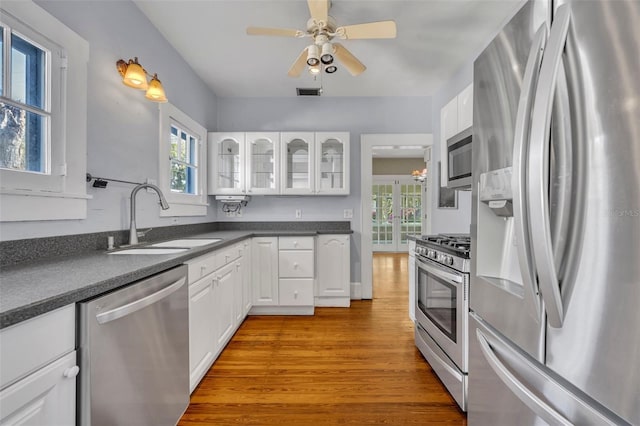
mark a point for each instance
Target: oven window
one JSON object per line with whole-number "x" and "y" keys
{"x": 437, "y": 300}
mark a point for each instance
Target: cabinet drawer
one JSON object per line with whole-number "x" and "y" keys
{"x": 295, "y": 243}
{"x": 228, "y": 254}
{"x": 295, "y": 264}
{"x": 201, "y": 267}
{"x": 294, "y": 292}
{"x": 26, "y": 346}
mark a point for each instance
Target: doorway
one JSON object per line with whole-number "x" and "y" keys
{"x": 397, "y": 213}
{"x": 368, "y": 144}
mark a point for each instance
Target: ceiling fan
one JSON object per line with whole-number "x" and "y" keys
{"x": 322, "y": 28}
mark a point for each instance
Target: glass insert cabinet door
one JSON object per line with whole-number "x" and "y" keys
{"x": 263, "y": 162}
{"x": 226, "y": 163}
{"x": 332, "y": 161}
{"x": 297, "y": 162}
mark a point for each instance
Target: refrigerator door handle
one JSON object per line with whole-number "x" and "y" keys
{"x": 531, "y": 381}
{"x": 524, "y": 394}
{"x": 538, "y": 167}
{"x": 520, "y": 145}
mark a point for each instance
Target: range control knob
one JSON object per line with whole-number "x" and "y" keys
{"x": 448, "y": 260}
{"x": 432, "y": 254}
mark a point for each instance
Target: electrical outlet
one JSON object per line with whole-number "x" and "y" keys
{"x": 348, "y": 213}
{"x": 298, "y": 213}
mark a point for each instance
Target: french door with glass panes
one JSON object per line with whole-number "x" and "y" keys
{"x": 397, "y": 211}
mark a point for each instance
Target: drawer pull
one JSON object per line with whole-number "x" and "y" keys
{"x": 295, "y": 294}
{"x": 295, "y": 265}
{"x": 71, "y": 372}
{"x": 203, "y": 270}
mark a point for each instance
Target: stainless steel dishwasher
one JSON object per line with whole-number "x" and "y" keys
{"x": 134, "y": 353}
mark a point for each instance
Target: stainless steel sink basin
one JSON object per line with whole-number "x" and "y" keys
{"x": 150, "y": 250}
{"x": 187, "y": 243}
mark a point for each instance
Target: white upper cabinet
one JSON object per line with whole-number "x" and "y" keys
{"x": 465, "y": 108}
{"x": 263, "y": 163}
{"x": 455, "y": 117}
{"x": 227, "y": 170}
{"x": 297, "y": 162}
{"x": 332, "y": 163}
{"x": 271, "y": 163}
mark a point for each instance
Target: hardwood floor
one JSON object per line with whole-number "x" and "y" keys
{"x": 342, "y": 366}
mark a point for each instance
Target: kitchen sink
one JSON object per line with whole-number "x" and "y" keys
{"x": 187, "y": 243}
{"x": 150, "y": 250}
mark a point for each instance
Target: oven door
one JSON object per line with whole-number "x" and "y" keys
{"x": 442, "y": 306}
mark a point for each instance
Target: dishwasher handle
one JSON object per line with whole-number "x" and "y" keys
{"x": 136, "y": 305}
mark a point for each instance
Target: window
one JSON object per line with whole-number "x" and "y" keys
{"x": 184, "y": 161}
{"x": 42, "y": 118}
{"x": 24, "y": 106}
{"x": 182, "y": 157}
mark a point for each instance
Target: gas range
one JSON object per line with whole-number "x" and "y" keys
{"x": 452, "y": 250}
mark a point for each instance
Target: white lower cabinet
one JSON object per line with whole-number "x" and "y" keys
{"x": 264, "y": 252}
{"x": 247, "y": 291}
{"x": 223, "y": 295}
{"x": 46, "y": 397}
{"x": 215, "y": 306}
{"x": 201, "y": 328}
{"x": 334, "y": 264}
{"x": 38, "y": 370}
{"x": 283, "y": 275}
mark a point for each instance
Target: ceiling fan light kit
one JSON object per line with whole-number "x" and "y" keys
{"x": 327, "y": 53}
{"x": 322, "y": 28}
{"x": 313, "y": 55}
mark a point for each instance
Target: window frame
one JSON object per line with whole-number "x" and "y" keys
{"x": 51, "y": 178}
{"x": 182, "y": 204}
{"x": 61, "y": 194}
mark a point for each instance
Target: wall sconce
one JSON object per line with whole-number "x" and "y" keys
{"x": 419, "y": 175}
{"x": 133, "y": 75}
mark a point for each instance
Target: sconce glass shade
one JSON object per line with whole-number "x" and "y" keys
{"x": 135, "y": 76}
{"x": 155, "y": 92}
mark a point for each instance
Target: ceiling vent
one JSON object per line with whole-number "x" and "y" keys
{"x": 309, "y": 91}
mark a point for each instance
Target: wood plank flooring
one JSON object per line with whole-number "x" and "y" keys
{"x": 342, "y": 366}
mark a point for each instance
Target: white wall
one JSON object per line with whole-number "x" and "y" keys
{"x": 449, "y": 220}
{"x": 123, "y": 127}
{"x": 356, "y": 115}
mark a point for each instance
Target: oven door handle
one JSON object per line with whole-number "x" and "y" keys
{"x": 440, "y": 273}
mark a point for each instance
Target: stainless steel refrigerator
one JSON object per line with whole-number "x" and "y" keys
{"x": 555, "y": 279}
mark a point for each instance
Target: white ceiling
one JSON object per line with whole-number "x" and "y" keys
{"x": 435, "y": 38}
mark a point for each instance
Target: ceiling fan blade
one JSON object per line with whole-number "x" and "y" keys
{"x": 319, "y": 10}
{"x": 280, "y": 32}
{"x": 382, "y": 29}
{"x": 350, "y": 62}
{"x": 299, "y": 65}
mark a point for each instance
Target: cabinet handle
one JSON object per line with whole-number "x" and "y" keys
{"x": 295, "y": 244}
{"x": 295, "y": 294}
{"x": 295, "y": 265}
{"x": 226, "y": 258}
{"x": 203, "y": 269}
{"x": 71, "y": 372}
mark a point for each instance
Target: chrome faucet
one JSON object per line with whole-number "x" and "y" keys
{"x": 133, "y": 232}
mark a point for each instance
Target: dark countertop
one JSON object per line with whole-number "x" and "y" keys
{"x": 32, "y": 288}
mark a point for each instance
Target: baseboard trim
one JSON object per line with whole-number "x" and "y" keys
{"x": 333, "y": 302}
{"x": 356, "y": 291}
{"x": 281, "y": 310}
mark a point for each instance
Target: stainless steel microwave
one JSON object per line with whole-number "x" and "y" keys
{"x": 459, "y": 160}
